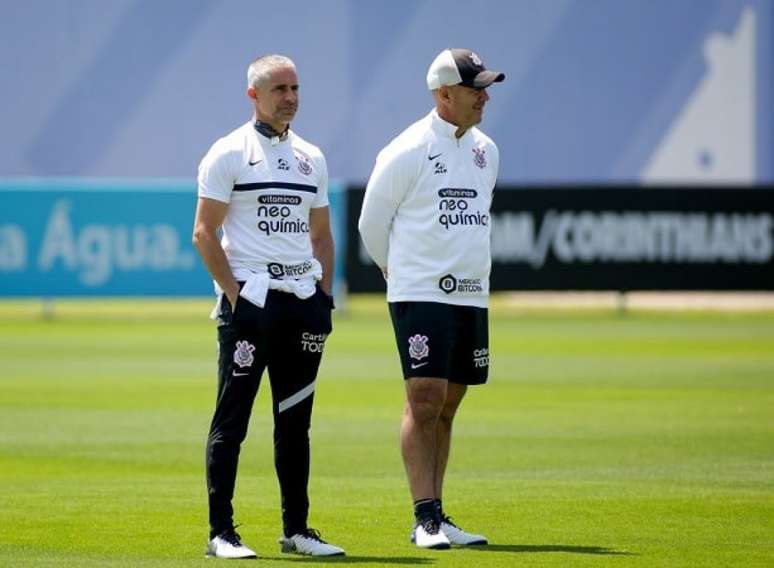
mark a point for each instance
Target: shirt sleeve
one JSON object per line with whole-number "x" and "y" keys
{"x": 392, "y": 177}
{"x": 321, "y": 198}
{"x": 495, "y": 166}
{"x": 215, "y": 179}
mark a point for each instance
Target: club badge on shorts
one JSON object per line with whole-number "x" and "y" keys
{"x": 418, "y": 348}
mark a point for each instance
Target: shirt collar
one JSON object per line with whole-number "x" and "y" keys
{"x": 443, "y": 128}
{"x": 266, "y": 131}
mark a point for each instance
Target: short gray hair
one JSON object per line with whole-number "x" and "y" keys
{"x": 261, "y": 69}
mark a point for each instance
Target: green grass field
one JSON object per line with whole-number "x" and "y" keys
{"x": 644, "y": 439}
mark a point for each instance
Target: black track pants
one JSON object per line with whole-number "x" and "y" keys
{"x": 286, "y": 337}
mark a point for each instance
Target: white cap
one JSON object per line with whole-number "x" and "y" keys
{"x": 460, "y": 66}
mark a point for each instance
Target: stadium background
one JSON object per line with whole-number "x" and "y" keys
{"x": 641, "y": 438}
{"x": 106, "y": 98}
{"x": 127, "y": 96}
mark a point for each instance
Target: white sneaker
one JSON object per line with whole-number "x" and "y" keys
{"x": 309, "y": 542}
{"x": 458, "y": 536}
{"x": 429, "y": 535}
{"x": 228, "y": 545}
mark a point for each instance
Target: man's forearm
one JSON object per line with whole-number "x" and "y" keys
{"x": 322, "y": 249}
{"x": 215, "y": 260}
{"x": 374, "y": 228}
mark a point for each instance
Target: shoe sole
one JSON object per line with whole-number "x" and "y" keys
{"x": 313, "y": 555}
{"x": 290, "y": 548}
{"x": 439, "y": 546}
{"x": 483, "y": 542}
{"x": 253, "y": 557}
{"x": 209, "y": 554}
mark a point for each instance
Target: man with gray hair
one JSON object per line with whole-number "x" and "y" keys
{"x": 262, "y": 229}
{"x": 425, "y": 223}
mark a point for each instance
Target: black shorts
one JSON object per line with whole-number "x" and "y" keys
{"x": 442, "y": 340}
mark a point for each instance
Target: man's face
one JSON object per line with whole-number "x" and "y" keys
{"x": 466, "y": 105}
{"x": 276, "y": 100}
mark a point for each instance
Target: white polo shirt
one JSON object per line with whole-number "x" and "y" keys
{"x": 270, "y": 189}
{"x": 425, "y": 216}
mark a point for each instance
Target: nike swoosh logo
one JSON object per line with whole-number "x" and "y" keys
{"x": 418, "y": 365}
{"x": 255, "y": 162}
{"x": 239, "y": 374}
{"x": 431, "y": 158}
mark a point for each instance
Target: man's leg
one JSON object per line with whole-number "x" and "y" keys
{"x": 296, "y": 351}
{"x": 454, "y": 395}
{"x": 471, "y": 365}
{"x": 419, "y": 434}
{"x": 292, "y": 418}
{"x": 418, "y": 442}
{"x": 237, "y": 387}
{"x": 291, "y": 459}
{"x": 425, "y": 341}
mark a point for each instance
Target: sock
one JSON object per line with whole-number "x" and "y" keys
{"x": 424, "y": 509}
{"x": 439, "y": 508}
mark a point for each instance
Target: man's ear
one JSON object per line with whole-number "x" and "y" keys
{"x": 251, "y": 93}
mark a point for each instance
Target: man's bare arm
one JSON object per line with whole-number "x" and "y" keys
{"x": 322, "y": 244}
{"x": 209, "y": 217}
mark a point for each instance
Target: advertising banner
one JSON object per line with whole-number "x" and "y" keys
{"x": 89, "y": 238}
{"x": 617, "y": 238}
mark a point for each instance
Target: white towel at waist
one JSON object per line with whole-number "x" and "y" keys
{"x": 258, "y": 283}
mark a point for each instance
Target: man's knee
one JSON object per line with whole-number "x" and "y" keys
{"x": 446, "y": 417}
{"x": 454, "y": 395}
{"x": 426, "y": 398}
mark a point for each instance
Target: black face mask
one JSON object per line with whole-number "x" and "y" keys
{"x": 268, "y": 131}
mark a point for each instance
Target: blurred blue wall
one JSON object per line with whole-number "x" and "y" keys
{"x": 602, "y": 90}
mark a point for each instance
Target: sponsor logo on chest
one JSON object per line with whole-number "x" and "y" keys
{"x": 279, "y": 214}
{"x": 456, "y": 209}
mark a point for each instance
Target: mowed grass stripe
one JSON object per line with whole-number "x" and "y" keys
{"x": 643, "y": 439}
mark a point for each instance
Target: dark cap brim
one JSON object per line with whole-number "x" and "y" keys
{"x": 484, "y": 79}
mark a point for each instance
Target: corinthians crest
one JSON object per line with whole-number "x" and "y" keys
{"x": 418, "y": 348}
{"x": 243, "y": 356}
{"x": 479, "y": 158}
{"x": 303, "y": 165}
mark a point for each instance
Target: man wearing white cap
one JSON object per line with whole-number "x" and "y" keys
{"x": 425, "y": 222}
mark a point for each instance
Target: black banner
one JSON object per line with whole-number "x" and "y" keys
{"x": 615, "y": 238}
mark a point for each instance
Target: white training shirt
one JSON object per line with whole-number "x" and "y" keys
{"x": 425, "y": 216}
{"x": 270, "y": 188}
